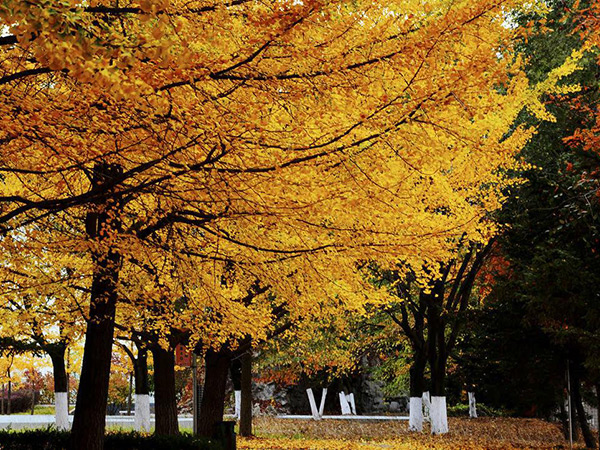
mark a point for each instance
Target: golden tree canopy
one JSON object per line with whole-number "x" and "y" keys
{"x": 281, "y": 141}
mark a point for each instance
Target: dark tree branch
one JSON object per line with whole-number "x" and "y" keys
{"x": 8, "y": 40}
{"x": 23, "y": 74}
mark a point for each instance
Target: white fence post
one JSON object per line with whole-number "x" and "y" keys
{"x": 313, "y": 404}
{"x": 344, "y": 404}
{"x": 322, "y": 405}
{"x": 350, "y": 398}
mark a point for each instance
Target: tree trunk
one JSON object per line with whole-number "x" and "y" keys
{"x": 9, "y": 395}
{"x": 246, "y": 401}
{"x": 598, "y": 411}
{"x": 90, "y": 412}
{"x": 130, "y": 394}
{"x": 588, "y": 437}
{"x": 164, "y": 392}
{"x": 437, "y": 364}
{"x": 61, "y": 387}
{"x": 235, "y": 370}
{"x": 60, "y": 371}
{"x": 472, "y": 405}
{"x": 564, "y": 419}
{"x": 68, "y": 377}
{"x": 141, "y": 421}
{"x": 92, "y": 396}
{"x": 417, "y": 374}
{"x": 32, "y": 398}
{"x": 2, "y": 400}
{"x": 140, "y": 367}
{"x": 213, "y": 396}
{"x": 417, "y": 384}
{"x": 574, "y": 427}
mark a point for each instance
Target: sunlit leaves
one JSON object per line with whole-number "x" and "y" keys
{"x": 282, "y": 142}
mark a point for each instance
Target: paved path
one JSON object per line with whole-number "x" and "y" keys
{"x": 42, "y": 421}
{"x": 16, "y": 422}
{"x": 345, "y": 417}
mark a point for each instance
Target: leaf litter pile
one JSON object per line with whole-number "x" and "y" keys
{"x": 482, "y": 433}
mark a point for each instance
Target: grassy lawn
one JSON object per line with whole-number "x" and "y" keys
{"x": 39, "y": 409}
{"x": 483, "y": 433}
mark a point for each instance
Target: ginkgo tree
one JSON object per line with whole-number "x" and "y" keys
{"x": 40, "y": 307}
{"x": 36, "y": 323}
{"x": 288, "y": 137}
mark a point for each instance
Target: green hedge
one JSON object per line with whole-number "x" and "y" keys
{"x": 461, "y": 410}
{"x": 51, "y": 439}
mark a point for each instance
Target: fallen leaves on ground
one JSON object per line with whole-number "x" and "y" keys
{"x": 472, "y": 434}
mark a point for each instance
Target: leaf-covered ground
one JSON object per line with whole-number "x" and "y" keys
{"x": 482, "y": 433}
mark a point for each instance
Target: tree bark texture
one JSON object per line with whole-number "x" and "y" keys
{"x": 586, "y": 432}
{"x": 213, "y": 396}
{"x": 141, "y": 421}
{"x": 59, "y": 368}
{"x": 90, "y": 412}
{"x": 437, "y": 354}
{"x": 246, "y": 402}
{"x": 417, "y": 374}
{"x": 598, "y": 411}
{"x": 140, "y": 367}
{"x": 164, "y": 392}
{"x": 564, "y": 419}
{"x": 417, "y": 384}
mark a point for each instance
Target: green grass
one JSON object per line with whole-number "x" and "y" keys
{"x": 39, "y": 409}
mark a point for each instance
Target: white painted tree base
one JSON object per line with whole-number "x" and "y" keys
{"x": 415, "y": 414}
{"x": 61, "y": 410}
{"x": 426, "y": 406}
{"x": 472, "y": 406}
{"x": 141, "y": 421}
{"x": 238, "y": 404}
{"x": 439, "y": 415}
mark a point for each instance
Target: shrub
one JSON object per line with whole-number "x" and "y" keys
{"x": 20, "y": 400}
{"x": 48, "y": 439}
{"x": 51, "y": 439}
{"x": 136, "y": 441}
